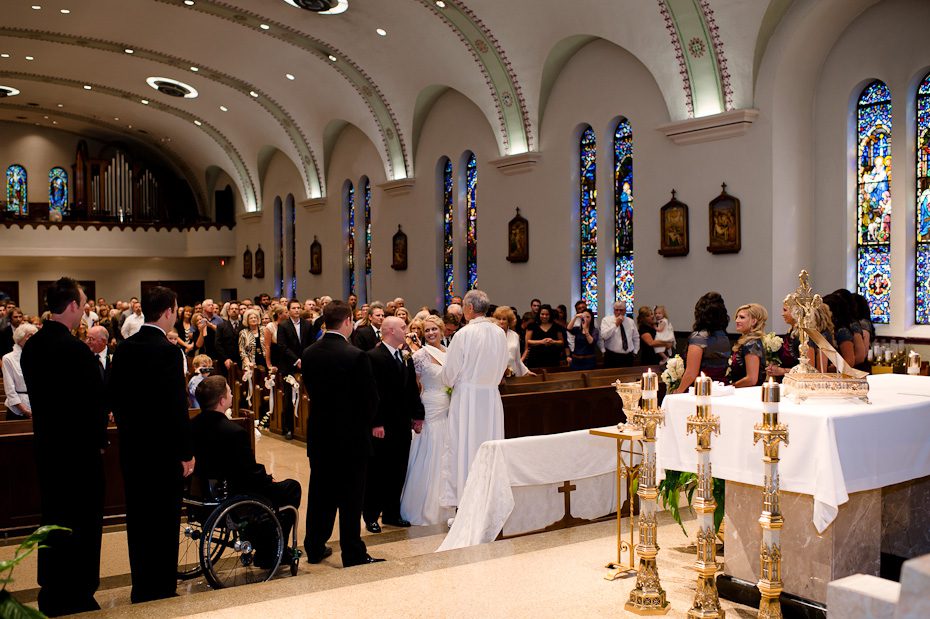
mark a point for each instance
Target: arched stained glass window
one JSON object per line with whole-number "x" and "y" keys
{"x": 279, "y": 243}
{"x": 290, "y": 222}
{"x": 587, "y": 214}
{"x": 471, "y": 214}
{"x": 366, "y": 188}
{"x": 448, "y": 209}
{"x": 58, "y": 190}
{"x": 17, "y": 198}
{"x": 873, "y": 219}
{"x": 922, "y": 289}
{"x": 623, "y": 214}
{"x": 350, "y": 237}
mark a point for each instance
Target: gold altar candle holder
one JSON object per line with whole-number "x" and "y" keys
{"x": 771, "y": 433}
{"x": 648, "y": 597}
{"x": 706, "y": 602}
{"x": 913, "y": 363}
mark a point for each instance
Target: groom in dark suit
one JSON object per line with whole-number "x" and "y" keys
{"x": 294, "y": 337}
{"x": 344, "y": 398}
{"x": 399, "y": 410}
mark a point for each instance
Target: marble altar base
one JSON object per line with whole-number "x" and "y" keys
{"x": 889, "y": 520}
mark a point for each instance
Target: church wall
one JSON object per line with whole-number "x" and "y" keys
{"x": 900, "y": 61}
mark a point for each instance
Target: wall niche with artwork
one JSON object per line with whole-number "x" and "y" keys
{"x": 724, "y": 225}
{"x": 673, "y": 224}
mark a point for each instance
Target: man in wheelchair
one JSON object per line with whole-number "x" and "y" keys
{"x": 223, "y": 452}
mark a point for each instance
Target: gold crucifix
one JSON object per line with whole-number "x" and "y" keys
{"x": 803, "y": 305}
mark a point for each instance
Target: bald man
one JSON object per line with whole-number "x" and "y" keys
{"x": 399, "y": 410}
{"x": 97, "y": 338}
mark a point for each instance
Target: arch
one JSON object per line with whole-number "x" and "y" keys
{"x": 421, "y": 111}
{"x": 558, "y": 57}
{"x": 587, "y": 217}
{"x": 331, "y": 134}
{"x": 267, "y": 156}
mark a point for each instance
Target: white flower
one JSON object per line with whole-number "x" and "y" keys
{"x": 772, "y": 343}
{"x": 675, "y": 367}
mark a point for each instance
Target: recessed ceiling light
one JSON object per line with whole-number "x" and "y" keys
{"x": 289, "y": 76}
{"x": 128, "y": 51}
{"x": 198, "y": 123}
{"x": 173, "y": 88}
{"x": 54, "y": 122}
{"x": 195, "y": 69}
{"x": 4, "y": 55}
{"x": 130, "y": 126}
{"x": 61, "y": 105}
{"x": 116, "y": 118}
{"x": 189, "y": 2}
{"x": 382, "y": 32}
{"x": 30, "y": 57}
{"x": 145, "y": 101}
{"x": 333, "y": 58}
{"x": 440, "y": 4}
{"x": 223, "y": 108}
{"x": 87, "y": 86}
{"x": 253, "y": 93}
{"x": 264, "y": 26}
{"x": 65, "y": 11}
{"x": 45, "y": 117}
{"x": 36, "y": 7}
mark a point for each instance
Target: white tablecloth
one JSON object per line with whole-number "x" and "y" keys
{"x": 836, "y": 446}
{"x": 513, "y": 485}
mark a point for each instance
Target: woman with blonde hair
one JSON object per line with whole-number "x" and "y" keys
{"x": 270, "y": 335}
{"x": 506, "y": 319}
{"x": 403, "y": 314}
{"x": 251, "y": 349}
{"x": 415, "y": 335}
{"x": 665, "y": 333}
{"x": 747, "y": 362}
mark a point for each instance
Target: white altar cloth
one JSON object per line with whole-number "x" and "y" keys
{"x": 513, "y": 485}
{"x": 836, "y": 446}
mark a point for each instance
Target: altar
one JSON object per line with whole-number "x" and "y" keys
{"x": 854, "y": 479}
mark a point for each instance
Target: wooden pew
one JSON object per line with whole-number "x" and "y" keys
{"x": 551, "y": 412}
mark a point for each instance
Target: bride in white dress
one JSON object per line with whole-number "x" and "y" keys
{"x": 420, "y": 500}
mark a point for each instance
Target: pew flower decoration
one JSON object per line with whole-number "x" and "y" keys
{"x": 262, "y": 424}
{"x": 295, "y": 392}
{"x": 674, "y": 370}
{"x": 290, "y": 380}
{"x": 772, "y": 344}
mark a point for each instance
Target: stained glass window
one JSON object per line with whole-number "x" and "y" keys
{"x": 350, "y": 237}
{"x": 279, "y": 243}
{"x": 922, "y": 289}
{"x": 587, "y": 208}
{"x": 873, "y": 220}
{"x": 471, "y": 214}
{"x": 58, "y": 190}
{"x": 291, "y": 214}
{"x": 448, "y": 208}
{"x": 17, "y": 199}
{"x": 623, "y": 214}
{"x": 366, "y": 187}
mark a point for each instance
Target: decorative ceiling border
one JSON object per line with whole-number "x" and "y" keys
{"x": 516, "y": 131}
{"x": 717, "y": 42}
{"x": 679, "y": 56}
{"x": 395, "y": 151}
{"x": 146, "y": 138}
{"x": 310, "y": 169}
{"x": 249, "y": 195}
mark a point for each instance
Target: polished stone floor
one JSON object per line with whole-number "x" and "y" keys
{"x": 556, "y": 574}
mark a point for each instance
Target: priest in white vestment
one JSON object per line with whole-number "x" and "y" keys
{"x": 475, "y": 364}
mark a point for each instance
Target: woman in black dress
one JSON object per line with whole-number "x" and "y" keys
{"x": 544, "y": 341}
{"x": 646, "y": 325}
{"x": 747, "y": 363}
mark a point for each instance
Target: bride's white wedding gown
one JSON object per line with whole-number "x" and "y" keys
{"x": 420, "y": 500}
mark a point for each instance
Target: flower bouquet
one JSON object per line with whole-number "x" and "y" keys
{"x": 772, "y": 344}
{"x": 674, "y": 370}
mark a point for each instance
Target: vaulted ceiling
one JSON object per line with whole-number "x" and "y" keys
{"x": 272, "y": 76}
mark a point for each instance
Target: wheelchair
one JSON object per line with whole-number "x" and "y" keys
{"x": 231, "y": 540}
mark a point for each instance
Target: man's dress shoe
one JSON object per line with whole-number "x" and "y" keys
{"x": 373, "y": 527}
{"x": 317, "y": 558}
{"x": 399, "y": 522}
{"x": 289, "y": 435}
{"x": 368, "y": 559}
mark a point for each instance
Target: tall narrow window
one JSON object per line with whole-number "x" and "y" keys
{"x": 873, "y": 221}
{"x": 623, "y": 214}
{"x": 448, "y": 209}
{"x": 17, "y": 198}
{"x": 471, "y": 214}
{"x": 58, "y": 190}
{"x": 279, "y": 243}
{"x": 922, "y": 289}
{"x": 366, "y": 188}
{"x": 290, "y": 222}
{"x": 587, "y": 214}
{"x": 350, "y": 237}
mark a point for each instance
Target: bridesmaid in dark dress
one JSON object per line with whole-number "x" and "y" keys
{"x": 842, "y": 335}
{"x": 747, "y": 363}
{"x": 544, "y": 341}
{"x": 708, "y": 345}
{"x": 646, "y": 325}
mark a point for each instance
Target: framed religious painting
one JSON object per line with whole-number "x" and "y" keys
{"x": 518, "y": 239}
{"x": 247, "y": 263}
{"x": 673, "y": 225}
{"x": 260, "y": 262}
{"x": 399, "y": 250}
{"x": 723, "y": 213}
{"x": 316, "y": 257}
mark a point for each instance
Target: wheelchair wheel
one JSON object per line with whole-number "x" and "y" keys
{"x": 242, "y": 544}
{"x": 189, "y": 546}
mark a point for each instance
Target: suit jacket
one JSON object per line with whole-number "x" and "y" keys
{"x": 149, "y": 401}
{"x": 227, "y": 342}
{"x": 398, "y": 393}
{"x": 224, "y": 451}
{"x": 6, "y": 339}
{"x": 291, "y": 348}
{"x": 365, "y": 337}
{"x": 343, "y": 400}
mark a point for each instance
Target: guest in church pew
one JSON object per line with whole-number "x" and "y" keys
{"x": 415, "y": 334}
{"x": 203, "y": 367}
{"x": 747, "y": 361}
{"x": 583, "y": 354}
{"x": 133, "y": 322}
{"x": 69, "y": 422}
{"x": 645, "y": 324}
{"x": 544, "y": 341}
{"x": 156, "y": 449}
{"x": 515, "y": 366}
{"x": 619, "y": 338}
{"x": 708, "y": 344}
{"x": 251, "y": 351}
{"x": 451, "y": 324}
{"x": 270, "y": 337}
{"x": 97, "y": 342}
{"x": 16, "y": 318}
{"x": 403, "y": 314}
{"x": 842, "y": 334}
{"x": 294, "y": 336}
{"x": 17, "y": 396}
{"x": 665, "y": 333}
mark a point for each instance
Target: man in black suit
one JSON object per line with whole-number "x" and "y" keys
{"x": 294, "y": 336}
{"x": 70, "y": 425}
{"x": 367, "y": 337}
{"x": 344, "y": 399}
{"x": 227, "y": 340}
{"x": 223, "y": 450}
{"x": 399, "y": 409}
{"x": 148, "y": 397}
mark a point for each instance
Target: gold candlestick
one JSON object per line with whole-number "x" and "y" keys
{"x": 648, "y": 596}
{"x": 913, "y": 363}
{"x": 771, "y": 432}
{"x": 706, "y": 602}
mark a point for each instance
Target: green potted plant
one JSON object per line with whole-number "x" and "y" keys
{"x": 10, "y": 608}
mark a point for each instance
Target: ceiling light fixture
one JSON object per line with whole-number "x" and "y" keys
{"x": 30, "y": 57}
{"x": 4, "y": 55}
{"x": 54, "y": 122}
{"x": 264, "y": 26}
{"x": 172, "y": 88}
{"x": 198, "y": 123}
{"x": 223, "y": 108}
{"x": 195, "y": 69}
{"x": 8, "y": 91}
{"x": 145, "y": 101}
{"x": 323, "y": 7}
{"x": 289, "y": 76}
{"x": 382, "y": 32}
{"x": 116, "y": 118}
{"x": 87, "y": 86}
{"x": 65, "y": 11}
{"x": 333, "y": 58}
{"x": 189, "y": 2}
{"x": 440, "y": 4}
{"x": 61, "y": 105}
{"x": 129, "y": 51}
{"x": 253, "y": 93}
{"x": 36, "y": 7}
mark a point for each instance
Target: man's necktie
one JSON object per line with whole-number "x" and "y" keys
{"x": 100, "y": 367}
{"x": 399, "y": 358}
{"x": 623, "y": 336}
{"x": 378, "y": 334}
